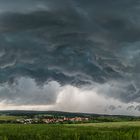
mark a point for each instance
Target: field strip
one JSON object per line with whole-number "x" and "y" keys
{"x": 109, "y": 124}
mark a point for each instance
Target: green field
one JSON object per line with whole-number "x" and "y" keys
{"x": 98, "y": 131}
{"x": 8, "y": 118}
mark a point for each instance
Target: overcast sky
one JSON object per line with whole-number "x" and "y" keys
{"x": 70, "y": 55}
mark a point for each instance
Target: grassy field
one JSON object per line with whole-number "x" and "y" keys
{"x": 110, "y": 124}
{"x": 8, "y": 118}
{"x": 99, "y": 131}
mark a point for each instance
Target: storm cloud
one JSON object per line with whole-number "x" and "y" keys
{"x": 26, "y": 92}
{"x": 91, "y": 44}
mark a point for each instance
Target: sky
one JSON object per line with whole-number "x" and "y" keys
{"x": 70, "y": 55}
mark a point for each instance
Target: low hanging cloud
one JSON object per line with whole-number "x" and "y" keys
{"x": 111, "y": 107}
{"x": 131, "y": 107}
{"x": 26, "y": 92}
{"x": 92, "y": 44}
{"x": 137, "y": 107}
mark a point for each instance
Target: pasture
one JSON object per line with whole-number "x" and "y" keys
{"x": 97, "y": 131}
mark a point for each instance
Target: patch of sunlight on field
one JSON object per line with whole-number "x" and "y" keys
{"x": 8, "y": 118}
{"x": 110, "y": 124}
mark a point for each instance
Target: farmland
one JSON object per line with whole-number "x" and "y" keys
{"x": 91, "y": 131}
{"x": 34, "y": 125}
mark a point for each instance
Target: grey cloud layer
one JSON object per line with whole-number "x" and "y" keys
{"x": 26, "y": 92}
{"x": 74, "y": 42}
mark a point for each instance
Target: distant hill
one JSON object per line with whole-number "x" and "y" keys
{"x": 10, "y": 116}
{"x": 55, "y": 113}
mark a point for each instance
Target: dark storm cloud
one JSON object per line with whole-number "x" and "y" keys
{"x": 26, "y": 92}
{"x": 112, "y": 107}
{"x": 137, "y": 107}
{"x": 73, "y": 42}
{"x": 119, "y": 106}
{"x": 131, "y": 107}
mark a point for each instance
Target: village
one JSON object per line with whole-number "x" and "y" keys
{"x": 52, "y": 120}
{"x": 65, "y": 119}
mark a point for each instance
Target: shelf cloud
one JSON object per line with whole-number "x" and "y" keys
{"x": 47, "y": 45}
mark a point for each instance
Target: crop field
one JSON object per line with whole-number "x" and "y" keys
{"x": 8, "y": 118}
{"x": 98, "y": 131}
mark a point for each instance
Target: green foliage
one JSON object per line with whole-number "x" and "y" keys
{"x": 98, "y": 131}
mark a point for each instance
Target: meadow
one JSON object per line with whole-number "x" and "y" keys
{"x": 94, "y": 131}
